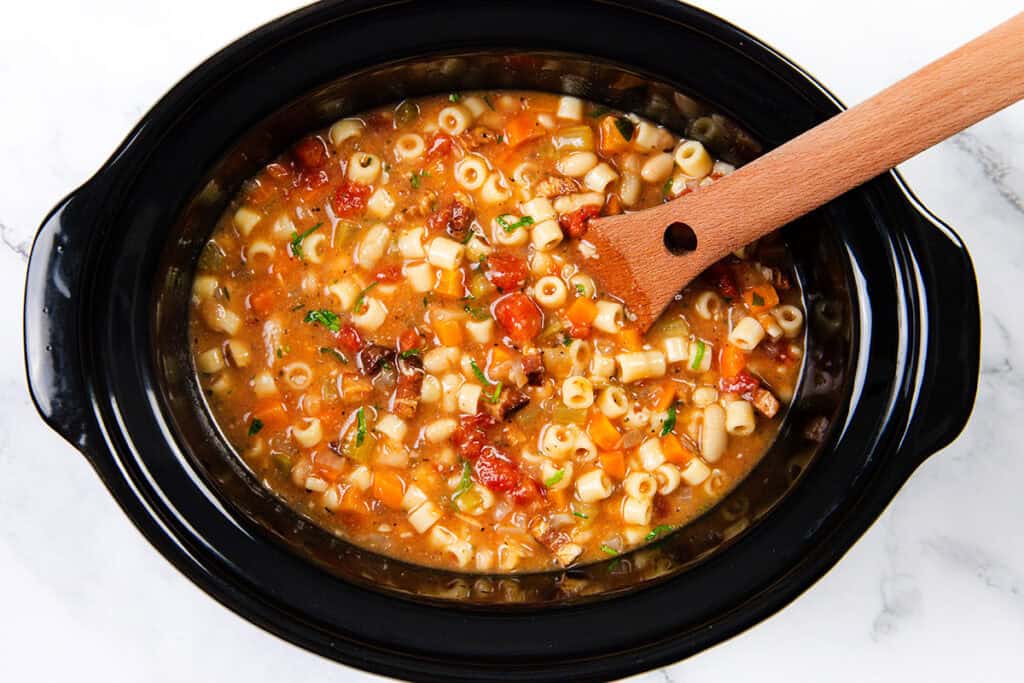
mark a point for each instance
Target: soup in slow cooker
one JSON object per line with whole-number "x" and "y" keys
{"x": 394, "y": 327}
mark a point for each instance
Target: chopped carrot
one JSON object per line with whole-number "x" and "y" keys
{"x": 613, "y": 463}
{"x": 448, "y": 331}
{"x": 674, "y": 450}
{"x": 450, "y": 283}
{"x": 582, "y": 311}
{"x": 761, "y": 298}
{"x": 612, "y": 140}
{"x": 630, "y": 338}
{"x": 731, "y": 361}
{"x": 666, "y": 395}
{"x": 352, "y": 501}
{"x": 388, "y": 488}
{"x": 522, "y": 128}
{"x": 271, "y": 413}
{"x": 558, "y": 498}
{"x": 499, "y": 354}
{"x": 602, "y": 431}
{"x": 262, "y": 302}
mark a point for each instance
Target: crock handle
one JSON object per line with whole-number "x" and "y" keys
{"x": 951, "y": 351}
{"x": 53, "y": 353}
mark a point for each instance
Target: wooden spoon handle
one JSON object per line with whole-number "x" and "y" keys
{"x": 948, "y": 95}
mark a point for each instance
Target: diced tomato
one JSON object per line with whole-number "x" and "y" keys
{"x": 721, "y": 278}
{"x": 349, "y": 339}
{"x": 439, "y": 147}
{"x": 391, "y": 274}
{"x": 350, "y": 198}
{"x": 519, "y": 316}
{"x": 495, "y": 471}
{"x": 262, "y": 302}
{"x": 470, "y": 436}
{"x": 580, "y": 330}
{"x": 455, "y": 219}
{"x": 410, "y": 339}
{"x": 743, "y": 384}
{"x": 310, "y": 153}
{"x": 313, "y": 180}
{"x": 576, "y": 223}
{"x": 506, "y": 272}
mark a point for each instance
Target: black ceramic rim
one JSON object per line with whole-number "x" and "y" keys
{"x": 897, "y": 416}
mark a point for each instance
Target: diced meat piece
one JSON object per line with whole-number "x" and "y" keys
{"x": 439, "y": 147}
{"x": 509, "y": 402}
{"x": 407, "y": 390}
{"x": 743, "y": 384}
{"x": 374, "y": 357}
{"x": 720, "y": 276}
{"x": 575, "y": 224}
{"x": 478, "y": 136}
{"x": 765, "y": 402}
{"x": 780, "y": 280}
{"x": 557, "y": 542}
{"x": 533, "y": 367}
{"x": 506, "y": 271}
{"x": 455, "y": 219}
{"x": 310, "y": 153}
{"x": 553, "y": 186}
{"x": 471, "y": 435}
{"x": 519, "y": 315}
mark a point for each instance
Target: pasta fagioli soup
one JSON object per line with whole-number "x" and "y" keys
{"x": 394, "y": 326}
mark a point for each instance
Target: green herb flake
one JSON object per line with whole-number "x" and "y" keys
{"x": 328, "y": 319}
{"x": 500, "y": 139}
{"x": 666, "y": 189}
{"x": 297, "y": 237}
{"x": 566, "y": 340}
{"x": 608, "y": 550}
{"x": 255, "y": 426}
{"x": 298, "y": 306}
{"x": 670, "y": 421}
{"x": 468, "y": 237}
{"x": 496, "y": 395}
{"x": 698, "y": 357}
{"x": 338, "y": 355}
{"x": 479, "y": 373}
{"x": 554, "y": 478}
{"x": 280, "y": 352}
{"x": 465, "y": 483}
{"x": 577, "y": 513}
{"x": 357, "y": 307}
{"x": 454, "y": 97}
{"x": 657, "y": 531}
{"x": 757, "y": 299}
{"x": 409, "y": 353}
{"x": 490, "y": 105}
{"x": 581, "y": 290}
{"x": 512, "y": 227}
{"x": 416, "y": 177}
{"x": 625, "y": 127}
{"x": 360, "y": 427}
{"x": 477, "y": 312}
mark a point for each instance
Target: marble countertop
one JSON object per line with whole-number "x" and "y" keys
{"x": 934, "y": 591}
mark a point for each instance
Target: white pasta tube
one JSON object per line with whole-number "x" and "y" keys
{"x": 471, "y": 172}
{"x": 640, "y": 485}
{"x": 677, "y": 349}
{"x": 380, "y": 204}
{"x": 410, "y": 243}
{"x": 707, "y": 305}
{"x": 693, "y": 160}
{"x": 509, "y": 238}
{"x": 246, "y": 219}
{"x": 346, "y": 292}
{"x": 259, "y": 249}
{"x": 469, "y": 398}
{"x": 550, "y": 292}
{"x": 297, "y": 375}
{"x": 790, "y": 319}
{"x": 593, "y": 486}
{"x": 700, "y": 356}
{"x": 495, "y": 190}
{"x": 204, "y": 287}
{"x": 695, "y": 472}
{"x": 556, "y": 476}
{"x": 413, "y": 498}
{"x": 312, "y": 248}
{"x": 454, "y": 120}
{"x": 667, "y": 477}
{"x": 392, "y": 428}
{"x": 430, "y": 390}
{"x": 308, "y": 432}
{"x": 361, "y": 477}
{"x": 263, "y": 384}
{"x": 651, "y": 455}
{"x": 210, "y": 361}
{"x": 577, "y": 392}
{"x": 424, "y": 517}
{"x": 638, "y": 365}
{"x": 576, "y": 164}
{"x": 556, "y": 441}
{"x": 747, "y": 334}
{"x": 610, "y": 317}
{"x": 409, "y": 146}
{"x": 570, "y": 108}
{"x": 613, "y": 402}
{"x": 363, "y": 168}
{"x": 445, "y": 253}
{"x": 373, "y": 245}
{"x": 636, "y": 511}
{"x": 371, "y": 315}
{"x": 420, "y": 276}
{"x": 739, "y": 418}
{"x": 239, "y": 353}
{"x": 713, "y": 437}
{"x": 602, "y": 366}
{"x": 704, "y": 396}
{"x": 657, "y": 168}
{"x": 539, "y": 209}
{"x": 546, "y": 235}
{"x": 345, "y": 129}
{"x": 440, "y": 430}
{"x": 480, "y": 331}
{"x": 598, "y": 178}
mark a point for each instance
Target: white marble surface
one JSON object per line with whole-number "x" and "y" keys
{"x": 934, "y": 591}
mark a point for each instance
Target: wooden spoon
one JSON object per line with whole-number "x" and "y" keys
{"x": 943, "y": 98}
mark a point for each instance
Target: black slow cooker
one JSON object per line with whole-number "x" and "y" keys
{"x": 889, "y": 376}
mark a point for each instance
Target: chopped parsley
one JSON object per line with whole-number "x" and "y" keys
{"x": 657, "y": 531}
{"x": 338, "y": 355}
{"x": 608, "y": 550}
{"x": 512, "y": 227}
{"x": 579, "y": 514}
{"x": 477, "y": 312}
{"x": 554, "y": 478}
{"x": 666, "y": 189}
{"x": 454, "y": 97}
{"x": 757, "y": 299}
{"x": 625, "y": 127}
{"x": 414, "y": 179}
{"x": 465, "y": 483}
{"x": 328, "y": 319}
{"x": 297, "y": 237}
{"x": 409, "y": 353}
{"x": 468, "y": 237}
{"x": 280, "y": 352}
{"x": 566, "y": 340}
{"x": 255, "y": 426}
{"x": 670, "y": 421}
{"x": 360, "y": 427}
{"x": 495, "y": 396}
{"x": 581, "y": 290}
{"x": 698, "y": 357}
{"x": 358, "y": 305}
{"x": 479, "y": 373}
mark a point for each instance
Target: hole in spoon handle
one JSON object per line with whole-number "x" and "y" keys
{"x": 680, "y": 239}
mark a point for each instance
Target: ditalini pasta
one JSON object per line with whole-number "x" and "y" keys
{"x": 394, "y": 325}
